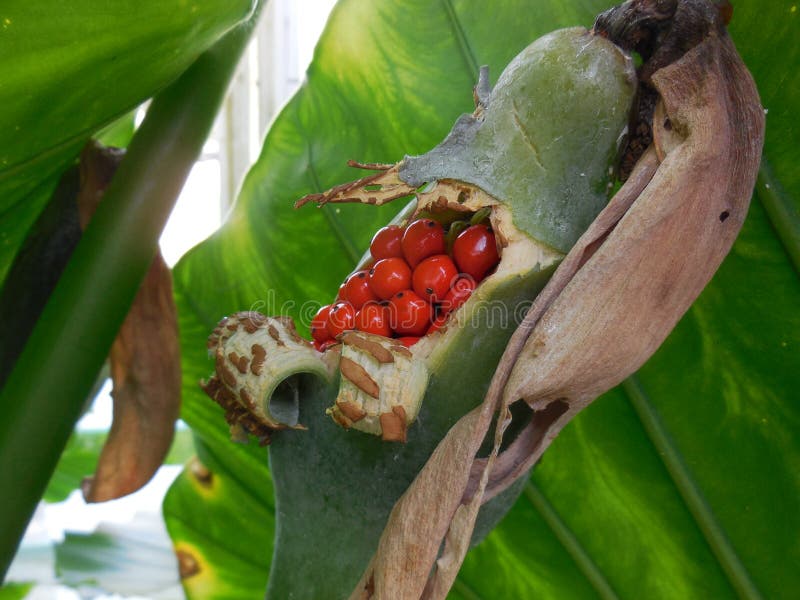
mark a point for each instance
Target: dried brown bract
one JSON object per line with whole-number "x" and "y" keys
{"x": 144, "y": 362}
{"x": 615, "y": 297}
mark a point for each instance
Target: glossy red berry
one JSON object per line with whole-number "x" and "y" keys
{"x": 423, "y": 238}
{"x": 387, "y": 243}
{"x": 374, "y": 318}
{"x": 357, "y": 291}
{"x": 319, "y": 324}
{"x": 408, "y": 340}
{"x": 460, "y": 292}
{"x": 437, "y": 324}
{"x": 433, "y": 277}
{"x": 389, "y": 276}
{"x": 340, "y": 297}
{"x": 341, "y": 317}
{"x": 409, "y": 314}
{"x": 475, "y": 251}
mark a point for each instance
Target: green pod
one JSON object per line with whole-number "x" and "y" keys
{"x": 543, "y": 139}
{"x": 538, "y": 152}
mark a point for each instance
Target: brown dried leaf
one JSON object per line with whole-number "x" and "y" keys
{"x": 144, "y": 362}
{"x": 611, "y": 303}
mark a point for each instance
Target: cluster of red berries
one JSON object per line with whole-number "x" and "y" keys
{"x": 412, "y": 285}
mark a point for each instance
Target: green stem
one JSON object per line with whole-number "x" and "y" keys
{"x": 43, "y": 395}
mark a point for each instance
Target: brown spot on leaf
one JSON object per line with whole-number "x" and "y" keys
{"x": 359, "y": 377}
{"x": 201, "y": 473}
{"x": 188, "y": 566}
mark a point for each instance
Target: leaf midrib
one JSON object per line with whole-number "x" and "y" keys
{"x": 570, "y": 542}
{"x": 730, "y": 563}
{"x": 781, "y": 212}
{"x": 346, "y": 242}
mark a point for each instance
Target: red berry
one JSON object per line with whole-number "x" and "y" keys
{"x": 374, "y": 318}
{"x": 437, "y": 324}
{"x": 423, "y": 238}
{"x": 342, "y": 317}
{"x": 340, "y": 297}
{"x": 389, "y": 276}
{"x": 387, "y": 243}
{"x": 319, "y": 324}
{"x": 322, "y": 346}
{"x": 408, "y": 340}
{"x": 433, "y": 277}
{"x": 475, "y": 251}
{"x": 410, "y": 314}
{"x": 357, "y": 291}
{"x": 460, "y": 292}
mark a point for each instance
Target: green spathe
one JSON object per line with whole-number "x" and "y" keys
{"x": 547, "y": 136}
{"x": 356, "y": 477}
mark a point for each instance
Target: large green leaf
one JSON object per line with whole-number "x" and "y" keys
{"x": 67, "y": 346}
{"x": 681, "y": 483}
{"x": 71, "y": 68}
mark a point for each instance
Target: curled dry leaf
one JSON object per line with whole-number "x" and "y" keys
{"x": 614, "y": 298}
{"x": 144, "y": 362}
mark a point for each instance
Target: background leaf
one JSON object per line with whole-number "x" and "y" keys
{"x": 102, "y": 276}
{"x": 79, "y": 460}
{"x": 102, "y": 561}
{"x": 14, "y": 591}
{"x": 605, "y": 513}
{"x": 75, "y": 69}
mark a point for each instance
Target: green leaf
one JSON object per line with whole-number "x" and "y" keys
{"x": 14, "y": 591}
{"x": 99, "y": 283}
{"x": 218, "y": 512}
{"x": 77, "y": 461}
{"x": 119, "y": 133}
{"x": 681, "y": 483}
{"x": 75, "y": 69}
{"x": 104, "y": 558}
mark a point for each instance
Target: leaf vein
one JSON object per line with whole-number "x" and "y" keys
{"x": 781, "y": 212}
{"x": 467, "y": 53}
{"x": 698, "y": 506}
{"x": 570, "y": 542}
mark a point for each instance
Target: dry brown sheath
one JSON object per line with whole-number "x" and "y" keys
{"x": 611, "y": 303}
{"x": 144, "y": 362}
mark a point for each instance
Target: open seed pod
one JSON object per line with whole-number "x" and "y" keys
{"x": 542, "y": 144}
{"x": 614, "y": 298}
